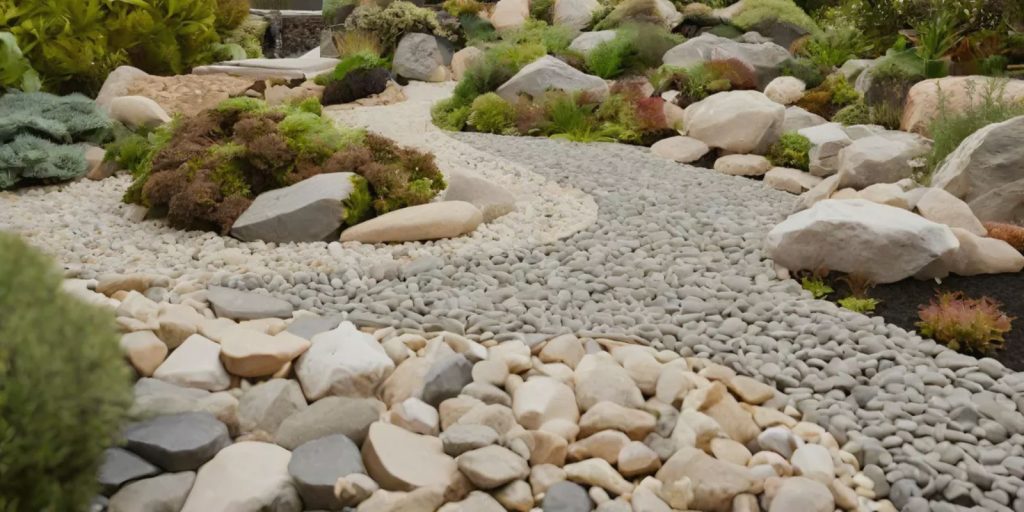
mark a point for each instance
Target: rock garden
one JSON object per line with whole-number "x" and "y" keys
{"x": 523, "y": 255}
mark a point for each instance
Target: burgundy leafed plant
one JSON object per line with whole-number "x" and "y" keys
{"x": 968, "y": 325}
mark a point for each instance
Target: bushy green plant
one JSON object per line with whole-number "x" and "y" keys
{"x": 249, "y": 35}
{"x": 490, "y": 113}
{"x": 541, "y": 9}
{"x": 830, "y": 48}
{"x": 554, "y": 38}
{"x": 859, "y": 304}
{"x": 833, "y": 94}
{"x": 970, "y": 325}
{"x": 936, "y": 36}
{"x": 362, "y": 60}
{"x": 477, "y": 30}
{"x": 950, "y": 127}
{"x": 882, "y": 20}
{"x": 459, "y": 8}
{"x": 630, "y": 11}
{"x": 608, "y": 59}
{"x": 817, "y": 286}
{"x": 205, "y": 170}
{"x": 15, "y": 70}
{"x": 791, "y": 150}
{"x": 447, "y": 114}
{"x": 390, "y": 23}
{"x": 754, "y": 12}
{"x": 808, "y": 72}
{"x": 230, "y": 14}
{"x": 855, "y": 113}
{"x": 352, "y": 42}
{"x": 64, "y": 388}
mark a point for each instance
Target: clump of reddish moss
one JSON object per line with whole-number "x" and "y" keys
{"x": 203, "y": 172}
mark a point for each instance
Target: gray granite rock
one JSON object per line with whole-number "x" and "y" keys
{"x": 178, "y": 442}
{"x": 350, "y": 417}
{"x": 566, "y": 497}
{"x": 446, "y": 378}
{"x": 164, "y": 493}
{"x": 241, "y": 305}
{"x": 121, "y": 466}
{"x": 311, "y": 210}
{"x": 316, "y": 465}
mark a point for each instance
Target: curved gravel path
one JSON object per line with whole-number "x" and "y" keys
{"x": 673, "y": 259}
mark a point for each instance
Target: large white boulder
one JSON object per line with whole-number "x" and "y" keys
{"x": 976, "y": 255}
{"x": 311, "y": 210}
{"x": 884, "y": 158}
{"x": 445, "y": 219}
{"x": 574, "y": 13}
{"x": 510, "y": 14}
{"x": 958, "y": 93}
{"x": 245, "y": 476}
{"x": 548, "y": 73}
{"x": 765, "y": 58}
{"x": 343, "y": 362}
{"x": 987, "y": 171}
{"x": 423, "y": 57}
{"x": 826, "y": 142}
{"x": 879, "y": 242}
{"x": 681, "y": 149}
{"x": 786, "y": 90}
{"x": 736, "y": 121}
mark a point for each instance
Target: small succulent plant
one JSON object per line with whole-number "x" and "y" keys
{"x": 965, "y": 324}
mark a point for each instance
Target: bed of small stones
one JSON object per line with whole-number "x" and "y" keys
{"x": 237, "y": 410}
{"x": 87, "y": 226}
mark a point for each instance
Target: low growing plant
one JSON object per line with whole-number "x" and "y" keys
{"x": 829, "y": 49}
{"x": 15, "y": 70}
{"x": 791, "y": 150}
{"x": 64, "y": 388}
{"x": 490, "y": 113}
{"x": 353, "y": 42}
{"x": 817, "y": 286}
{"x": 362, "y": 60}
{"x": 460, "y": 8}
{"x": 755, "y": 12}
{"x": 859, "y": 304}
{"x": 390, "y": 23}
{"x": 969, "y": 325}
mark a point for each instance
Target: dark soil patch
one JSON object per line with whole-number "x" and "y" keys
{"x": 901, "y": 301}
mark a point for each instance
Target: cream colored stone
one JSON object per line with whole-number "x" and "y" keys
{"x": 598, "y": 472}
{"x": 144, "y": 351}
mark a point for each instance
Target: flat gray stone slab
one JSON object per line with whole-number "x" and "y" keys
{"x": 121, "y": 466}
{"x": 178, "y": 442}
{"x": 350, "y": 417}
{"x": 315, "y": 467}
{"x": 309, "y": 326}
{"x": 263, "y": 69}
{"x": 239, "y": 305}
{"x": 164, "y": 493}
{"x": 311, "y": 210}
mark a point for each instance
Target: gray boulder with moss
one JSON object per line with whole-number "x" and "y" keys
{"x": 423, "y": 57}
{"x": 765, "y": 58}
{"x": 311, "y": 210}
{"x": 548, "y": 73}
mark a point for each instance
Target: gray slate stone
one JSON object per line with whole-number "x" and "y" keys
{"x": 492, "y": 200}
{"x": 239, "y": 305}
{"x": 418, "y": 56}
{"x": 178, "y": 442}
{"x": 121, "y": 466}
{"x": 309, "y": 326}
{"x": 316, "y": 465}
{"x": 264, "y": 406}
{"x": 311, "y": 210}
{"x": 446, "y": 378}
{"x": 566, "y": 496}
{"x": 350, "y": 417}
{"x": 883, "y": 158}
{"x": 164, "y": 493}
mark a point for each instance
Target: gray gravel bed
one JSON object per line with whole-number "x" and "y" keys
{"x": 675, "y": 260}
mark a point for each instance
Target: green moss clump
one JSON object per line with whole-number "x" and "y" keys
{"x": 64, "y": 387}
{"x": 230, "y": 14}
{"x": 447, "y": 115}
{"x": 490, "y": 113}
{"x": 804, "y": 69}
{"x": 360, "y": 60}
{"x": 248, "y": 35}
{"x": 757, "y": 11}
{"x": 460, "y": 8}
{"x": 390, "y": 23}
{"x": 791, "y": 150}
{"x": 855, "y": 113}
{"x": 359, "y": 204}
{"x": 826, "y": 99}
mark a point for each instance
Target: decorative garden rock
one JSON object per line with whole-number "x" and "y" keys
{"x": 179, "y": 442}
{"x": 163, "y": 493}
{"x": 892, "y": 243}
{"x": 574, "y": 13}
{"x": 241, "y": 305}
{"x": 245, "y": 476}
{"x": 743, "y": 165}
{"x": 765, "y": 58}
{"x": 400, "y": 460}
{"x": 510, "y": 14}
{"x": 661, "y": 12}
{"x": 826, "y": 142}
{"x": 350, "y": 417}
{"x": 196, "y": 363}
{"x": 121, "y": 466}
{"x": 116, "y": 85}
{"x": 317, "y": 465}
{"x": 266, "y": 405}
{"x": 987, "y": 171}
{"x": 463, "y": 59}
{"x": 422, "y": 57}
{"x": 429, "y": 221}
{"x": 960, "y": 94}
{"x": 680, "y": 148}
{"x": 797, "y": 118}
{"x": 548, "y": 73}
{"x": 587, "y": 41}
{"x": 937, "y": 205}
{"x": 138, "y": 112}
{"x": 737, "y": 121}
{"x": 343, "y": 362}
{"x": 785, "y": 90}
{"x": 976, "y": 255}
{"x": 356, "y": 85}
{"x": 492, "y": 200}
{"x": 312, "y": 210}
{"x": 885, "y": 158}
{"x": 789, "y": 180}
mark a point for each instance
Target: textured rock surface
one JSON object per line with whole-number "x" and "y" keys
{"x": 765, "y": 58}
{"x": 311, "y": 210}
{"x": 429, "y": 221}
{"x": 245, "y": 476}
{"x": 737, "y": 121}
{"x": 423, "y": 57}
{"x": 547, "y": 73}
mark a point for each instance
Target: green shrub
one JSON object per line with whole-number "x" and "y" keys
{"x": 460, "y": 8}
{"x": 830, "y": 48}
{"x": 826, "y": 99}
{"x": 205, "y": 170}
{"x": 448, "y": 115}
{"x": 64, "y": 387}
{"x": 230, "y": 14}
{"x": 757, "y": 11}
{"x": 249, "y": 35}
{"x": 631, "y": 11}
{"x": 490, "y": 113}
{"x": 859, "y": 304}
{"x": 541, "y": 9}
{"x": 817, "y": 286}
{"x": 15, "y": 70}
{"x": 970, "y": 325}
{"x": 950, "y": 127}
{"x": 554, "y": 38}
{"x": 477, "y": 30}
{"x": 808, "y": 72}
{"x": 855, "y": 113}
{"x": 352, "y": 42}
{"x": 882, "y": 20}
{"x": 791, "y": 150}
{"x": 362, "y": 60}
{"x": 390, "y": 23}
{"x": 608, "y": 59}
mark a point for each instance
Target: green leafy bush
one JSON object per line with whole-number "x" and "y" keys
{"x": 791, "y": 150}
{"x": 882, "y": 20}
{"x": 608, "y": 59}
{"x": 249, "y": 35}
{"x": 803, "y": 68}
{"x": 362, "y": 60}
{"x": 950, "y": 127}
{"x": 541, "y": 9}
{"x": 829, "y": 49}
{"x": 205, "y": 170}
{"x": 636, "y": 48}
{"x": 492, "y": 114}
{"x": 554, "y": 38}
{"x": 970, "y": 325}
{"x": 826, "y": 99}
{"x": 230, "y": 14}
{"x": 390, "y": 23}
{"x": 817, "y": 286}
{"x": 754, "y": 12}
{"x": 449, "y": 115}
{"x": 855, "y": 113}
{"x": 459, "y": 8}
{"x": 15, "y": 70}
{"x": 64, "y": 387}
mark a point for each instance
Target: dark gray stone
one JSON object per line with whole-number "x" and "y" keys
{"x": 446, "y": 378}
{"x": 311, "y": 210}
{"x": 122, "y": 466}
{"x": 316, "y": 465}
{"x": 356, "y": 85}
{"x": 264, "y": 406}
{"x": 350, "y": 417}
{"x": 239, "y": 305}
{"x": 178, "y": 442}
{"x": 566, "y": 497}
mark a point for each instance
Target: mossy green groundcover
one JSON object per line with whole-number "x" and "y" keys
{"x": 204, "y": 171}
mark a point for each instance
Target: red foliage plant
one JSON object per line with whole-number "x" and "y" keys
{"x": 1009, "y": 233}
{"x": 650, "y": 114}
{"x": 969, "y": 325}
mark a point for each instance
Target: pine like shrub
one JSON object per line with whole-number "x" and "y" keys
{"x": 64, "y": 388}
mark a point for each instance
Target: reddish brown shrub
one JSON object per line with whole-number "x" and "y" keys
{"x": 740, "y": 74}
{"x": 1009, "y": 233}
{"x": 970, "y": 325}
